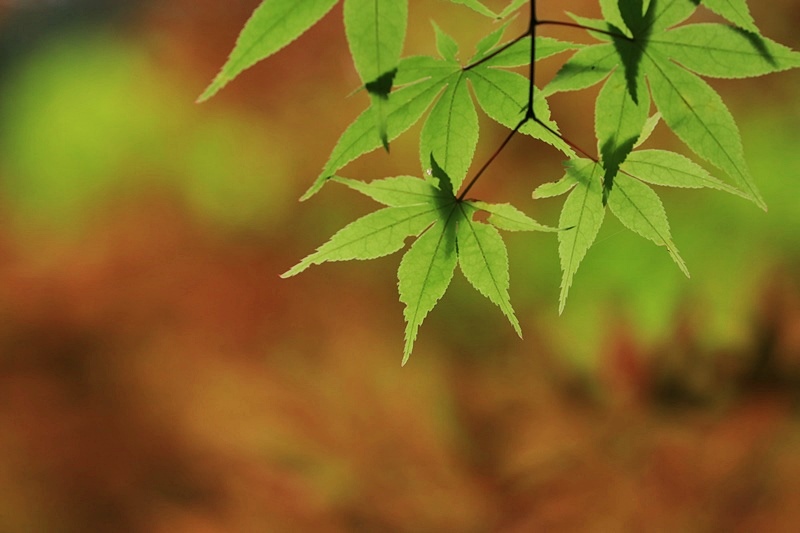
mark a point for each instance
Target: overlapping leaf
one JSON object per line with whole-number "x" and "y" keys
{"x": 273, "y": 25}
{"x": 375, "y": 32}
{"x": 647, "y": 46}
{"x": 447, "y": 235}
{"x": 643, "y": 57}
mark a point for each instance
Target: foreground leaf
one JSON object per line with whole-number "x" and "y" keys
{"x": 450, "y": 132}
{"x": 405, "y": 108}
{"x": 374, "y": 235}
{"x": 375, "y": 32}
{"x": 736, "y": 11}
{"x": 696, "y": 113}
{"x": 639, "y": 209}
{"x": 503, "y": 96}
{"x": 583, "y": 211}
{"x": 401, "y": 191}
{"x": 273, "y": 25}
{"x": 509, "y": 218}
{"x": 722, "y": 51}
{"x": 476, "y": 6}
{"x": 483, "y": 259}
{"x": 424, "y": 275}
{"x": 669, "y": 169}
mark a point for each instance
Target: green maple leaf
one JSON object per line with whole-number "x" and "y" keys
{"x": 632, "y": 201}
{"x": 273, "y": 25}
{"x": 450, "y": 131}
{"x": 375, "y": 32}
{"x": 480, "y": 7}
{"x": 446, "y": 234}
{"x": 645, "y": 45}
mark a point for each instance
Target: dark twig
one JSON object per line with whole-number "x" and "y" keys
{"x": 491, "y": 159}
{"x": 530, "y": 113}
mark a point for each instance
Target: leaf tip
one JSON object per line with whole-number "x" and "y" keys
{"x": 315, "y": 187}
{"x": 299, "y": 267}
{"x": 212, "y": 89}
{"x": 407, "y": 351}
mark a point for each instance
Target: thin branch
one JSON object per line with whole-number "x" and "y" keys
{"x": 570, "y": 143}
{"x": 491, "y": 159}
{"x": 496, "y": 52}
{"x": 530, "y": 113}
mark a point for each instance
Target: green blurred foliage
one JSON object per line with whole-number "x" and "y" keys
{"x": 88, "y": 120}
{"x": 157, "y": 375}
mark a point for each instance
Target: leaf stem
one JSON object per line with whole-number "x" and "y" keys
{"x": 491, "y": 159}
{"x": 530, "y": 113}
{"x": 570, "y": 143}
{"x": 494, "y": 53}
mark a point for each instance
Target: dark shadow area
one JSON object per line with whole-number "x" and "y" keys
{"x": 613, "y": 156}
{"x": 445, "y": 184}
{"x": 758, "y": 44}
{"x": 382, "y": 85}
{"x": 631, "y": 51}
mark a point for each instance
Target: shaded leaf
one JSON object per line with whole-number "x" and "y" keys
{"x": 375, "y": 32}
{"x": 619, "y": 121}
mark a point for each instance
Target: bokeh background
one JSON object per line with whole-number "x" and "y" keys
{"x": 157, "y": 375}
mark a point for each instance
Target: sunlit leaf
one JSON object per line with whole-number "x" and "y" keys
{"x": 450, "y": 132}
{"x": 723, "y": 51}
{"x": 503, "y": 96}
{"x": 477, "y": 6}
{"x": 669, "y": 169}
{"x": 425, "y": 273}
{"x": 273, "y": 25}
{"x": 401, "y": 191}
{"x": 696, "y": 113}
{"x": 375, "y": 32}
{"x": 638, "y": 207}
{"x": 374, "y": 235}
{"x": 583, "y": 211}
{"x": 483, "y": 259}
{"x": 445, "y": 44}
{"x": 405, "y": 108}
{"x": 736, "y": 11}
{"x": 509, "y": 218}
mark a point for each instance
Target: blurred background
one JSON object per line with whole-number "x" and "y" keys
{"x": 157, "y": 375}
